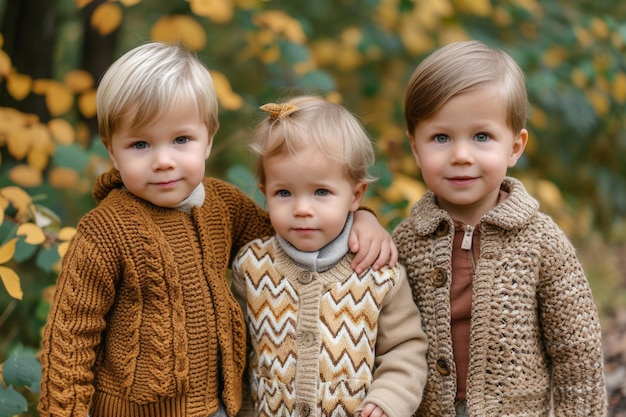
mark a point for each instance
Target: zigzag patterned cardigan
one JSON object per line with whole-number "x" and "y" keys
{"x": 535, "y": 340}
{"x": 323, "y": 343}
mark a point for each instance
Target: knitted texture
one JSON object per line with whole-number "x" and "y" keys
{"x": 143, "y": 321}
{"x": 535, "y": 333}
{"x": 315, "y": 336}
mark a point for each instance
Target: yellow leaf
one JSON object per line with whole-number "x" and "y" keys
{"x": 63, "y": 178}
{"x": 217, "y": 11}
{"x": 19, "y": 143}
{"x": 62, "y": 131}
{"x": 87, "y": 103}
{"x": 179, "y": 28}
{"x": 41, "y": 85}
{"x": 475, "y": 7}
{"x": 599, "y": 28}
{"x": 38, "y": 159}
{"x": 66, "y": 233}
{"x": 62, "y": 248}
{"x": 19, "y": 85}
{"x": 227, "y": 97}
{"x": 106, "y": 18}
{"x": 59, "y": 99}
{"x": 619, "y": 87}
{"x": 5, "y": 64}
{"x": 280, "y": 22}
{"x": 25, "y": 176}
{"x": 129, "y": 3}
{"x": 7, "y": 251}
{"x": 599, "y": 101}
{"x": 579, "y": 79}
{"x": 78, "y": 80}
{"x": 19, "y": 198}
{"x": 34, "y": 234}
{"x": 415, "y": 40}
{"x": 555, "y": 56}
{"x": 82, "y": 3}
{"x": 11, "y": 282}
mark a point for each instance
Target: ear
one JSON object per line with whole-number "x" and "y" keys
{"x": 519, "y": 145}
{"x": 262, "y": 188}
{"x": 109, "y": 148}
{"x": 207, "y": 152}
{"x": 358, "y": 191}
{"x": 413, "y": 148}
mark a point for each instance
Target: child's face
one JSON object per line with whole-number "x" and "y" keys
{"x": 308, "y": 197}
{"x": 464, "y": 151}
{"x": 164, "y": 162}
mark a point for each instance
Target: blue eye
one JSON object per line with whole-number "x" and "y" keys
{"x": 441, "y": 138}
{"x": 322, "y": 192}
{"x": 140, "y": 145}
{"x": 283, "y": 193}
{"x": 181, "y": 139}
{"x": 481, "y": 137}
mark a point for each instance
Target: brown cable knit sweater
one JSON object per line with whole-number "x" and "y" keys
{"x": 535, "y": 340}
{"x": 143, "y": 322}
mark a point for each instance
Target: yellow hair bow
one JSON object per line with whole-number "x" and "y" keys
{"x": 279, "y": 111}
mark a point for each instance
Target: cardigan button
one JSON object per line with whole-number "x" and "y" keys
{"x": 438, "y": 278}
{"x": 304, "y": 409}
{"x": 442, "y": 229}
{"x": 442, "y": 367}
{"x": 305, "y": 278}
{"x": 308, "y": 338}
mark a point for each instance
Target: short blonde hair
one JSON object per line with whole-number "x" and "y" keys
{"x": 334, "y": 130}
{"x": 147, "y": 81}
{"x": 462, "y": 67}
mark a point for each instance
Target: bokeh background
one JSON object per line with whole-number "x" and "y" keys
{"x": 356, "y": 52}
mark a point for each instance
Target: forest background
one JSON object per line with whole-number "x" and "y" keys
{"x": 356, "y": 52}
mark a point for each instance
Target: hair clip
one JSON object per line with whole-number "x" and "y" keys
{"x": 279, "y": 111}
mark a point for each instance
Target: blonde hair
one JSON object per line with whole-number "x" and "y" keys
{"x": 311, "y": 120}
{"x": 462, "y": 67}
{"x": 150, "y": 79}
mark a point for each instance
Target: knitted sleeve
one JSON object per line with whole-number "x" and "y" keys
{"x": 571, "y": 329}
{"x": 84, "y": 293}
{"x": 401, "y": 345}
{"x": 248, "y": 220}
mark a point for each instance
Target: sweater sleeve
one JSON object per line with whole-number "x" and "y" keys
{"x": 571, "y": 329}
{"x": 401, "y": 368}
{"x": 84, "y": 293}
{"x": 248, "y": 220}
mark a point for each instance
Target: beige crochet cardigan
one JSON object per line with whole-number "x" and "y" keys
{"x": 535, "y": 339}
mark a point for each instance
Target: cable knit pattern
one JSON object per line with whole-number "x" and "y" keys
{"x": 143, "y": 322}
{"x": 535, "y": 332}
{"x": 324, "y": 342}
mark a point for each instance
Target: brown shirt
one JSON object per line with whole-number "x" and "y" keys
{"x": 463, "y": 267}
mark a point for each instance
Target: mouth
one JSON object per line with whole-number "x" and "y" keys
{"x": 461, "y": 180}
{"x": 166, "y": 184}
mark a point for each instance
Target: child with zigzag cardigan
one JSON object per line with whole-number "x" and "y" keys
{"x": 325, "y": 340}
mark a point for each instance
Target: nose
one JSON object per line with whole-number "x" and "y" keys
{"x": 461, "y": 152}
{"x": 162, "y": 159}
{"x": 302, "y": 207}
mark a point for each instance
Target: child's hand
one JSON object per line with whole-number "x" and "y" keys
{"x": 371, "y": 243}
{"x": 371, "y": 410}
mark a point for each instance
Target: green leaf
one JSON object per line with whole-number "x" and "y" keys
{"x": 47, "y": 257}
{"x": 11, "y": 402}
{"x": 318, "y": 80}
{"x": 244, "y": 179}
{"x": 71, "y": 156}
{"x": 24, "y": 251}
{"x": 21, "y": 369}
